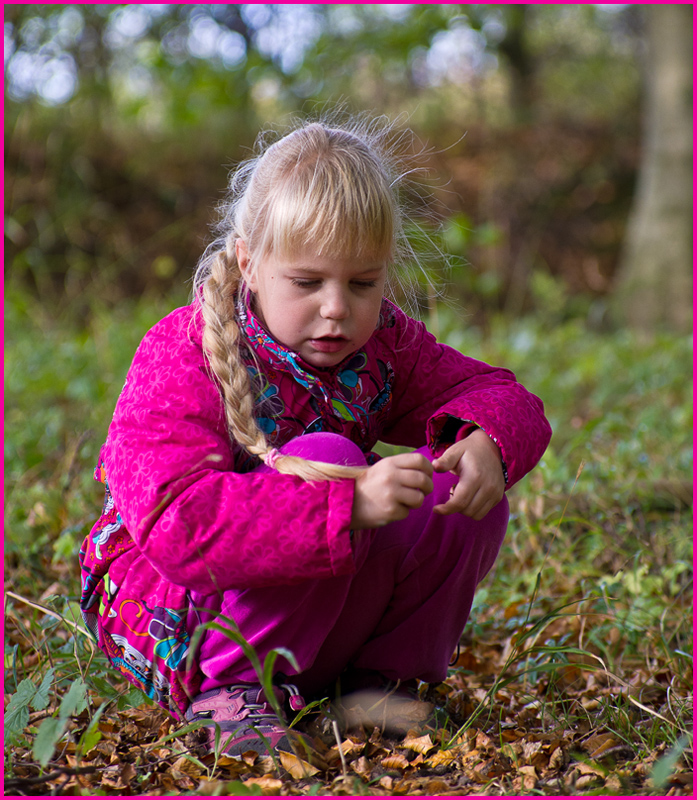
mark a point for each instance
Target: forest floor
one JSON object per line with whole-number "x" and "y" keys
{"x": 573, "y": 677}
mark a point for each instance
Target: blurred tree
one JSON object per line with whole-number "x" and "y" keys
{"x": 655, "y": 280}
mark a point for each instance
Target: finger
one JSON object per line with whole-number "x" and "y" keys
{"x": 414, "y": 461}
{"x": 447, "y": 461}
{"x": 415, "y": 479}
{"x": 459, "y": 500}
{"x": 411, "y": 498}
{"x": 477, "y": 507}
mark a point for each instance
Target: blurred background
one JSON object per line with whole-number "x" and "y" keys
{"x": 558, "y": 142}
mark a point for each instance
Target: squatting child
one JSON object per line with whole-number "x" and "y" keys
{"x": 239, "y": 473}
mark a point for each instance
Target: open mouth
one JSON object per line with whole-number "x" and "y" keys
{"x": 329, "y": 344}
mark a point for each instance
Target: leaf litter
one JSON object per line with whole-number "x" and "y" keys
{"x": 512, "y": 740}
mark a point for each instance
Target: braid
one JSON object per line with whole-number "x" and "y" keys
{"x": 221, "y": 336}
{"x": 221, "y": 345}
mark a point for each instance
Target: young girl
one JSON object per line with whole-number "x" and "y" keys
{"x": 238, "y": 467}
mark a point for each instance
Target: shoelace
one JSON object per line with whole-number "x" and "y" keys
{"x": 295, "y": 700}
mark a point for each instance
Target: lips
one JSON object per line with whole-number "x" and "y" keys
{"x": 329, "y": 344}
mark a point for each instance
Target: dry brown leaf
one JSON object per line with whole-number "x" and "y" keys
{"x": 442, "y": 758}
{"x": 436, "y": 786}
{"x": 348, "y": 747}
{"x": 585, "y": 781}
{"x": 599, "y": 744}
{"x": 267, "y": 783}
{"x": 296, "y": 766}
{"x": 362, "y": 766}
{"x": 386, "y": 782}
{"x": 265, "y": 765}
{"x": 528, "y": 778}
{"x": 420, "y": 744}
{"x": 395, "y": 761}
{"x": 187, "y": 766}
{"x": 556, "y": 759}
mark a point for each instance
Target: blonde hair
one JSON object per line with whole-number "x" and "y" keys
{"x": 334, "y": 188}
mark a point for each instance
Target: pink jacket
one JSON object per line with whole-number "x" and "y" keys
{"x": 184, "y": 513}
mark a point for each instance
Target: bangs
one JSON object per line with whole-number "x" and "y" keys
{"x": 336, "y": 203}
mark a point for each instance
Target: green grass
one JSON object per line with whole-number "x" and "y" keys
{"x": 595, "y": 574}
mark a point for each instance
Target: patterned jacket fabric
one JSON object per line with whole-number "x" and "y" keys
{"x": 184, "y": 512}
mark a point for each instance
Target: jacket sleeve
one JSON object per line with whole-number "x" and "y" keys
{"x": 439, "y": 393}
{"x": 200, "y": 522}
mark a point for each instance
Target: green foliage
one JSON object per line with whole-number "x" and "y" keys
{"x": 61, "y": 384}
{"x": 51, "y": 730}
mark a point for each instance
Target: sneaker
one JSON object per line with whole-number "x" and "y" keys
{"x": 244, "y": 716}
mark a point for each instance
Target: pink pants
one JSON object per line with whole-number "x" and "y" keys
{"x": 401, "y": 613}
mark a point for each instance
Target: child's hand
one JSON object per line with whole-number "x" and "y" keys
{"x": 388, "y": 490}
{"x": 476, "y": 460}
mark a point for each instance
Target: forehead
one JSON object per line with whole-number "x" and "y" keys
{"x": 312, "y": 263}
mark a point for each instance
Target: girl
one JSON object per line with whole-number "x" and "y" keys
{"x": 238, "y": 467}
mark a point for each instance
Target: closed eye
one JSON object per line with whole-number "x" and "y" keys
{"x": 365, "y": 284}
{"x": 305, "y": 283}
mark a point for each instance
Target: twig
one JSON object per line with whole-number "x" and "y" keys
{"x": 337, "y": 735}
{"x": 12, "y": 783}
{"x": 53, "y": 614}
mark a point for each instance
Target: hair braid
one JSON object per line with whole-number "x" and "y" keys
{"x": 221, "y": 342}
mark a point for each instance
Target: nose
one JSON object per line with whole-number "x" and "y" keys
{"x": 335, "y": 304}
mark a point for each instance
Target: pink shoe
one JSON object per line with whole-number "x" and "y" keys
{"x": 244, "y": 716}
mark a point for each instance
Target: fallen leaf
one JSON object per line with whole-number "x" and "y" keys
{"x": 296, "y": 766}
{"x": 584, "y": 781}
{"x": 362, "y": 766}
{"x": 436, "y": 786}
{"x": 420, "y": 744}
{"x": 599, "y": 744}
{"x": 386, "y": 782}
{"x": 529, "y": 778}
{"x": 442, "y": 758}
{"x": 395, "y": 761}
{"x": 348, "y": 747}
{"x": 267, "y": 783}
{"x": 556, "y": 759}
{"x": 185, "y": 765}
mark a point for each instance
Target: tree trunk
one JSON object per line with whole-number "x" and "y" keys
{"x": 654, "y": 288}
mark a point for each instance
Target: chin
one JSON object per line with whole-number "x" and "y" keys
{"x": 321, "y": 360}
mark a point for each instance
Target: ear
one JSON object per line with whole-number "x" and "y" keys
{"x": 248, "y": 274}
